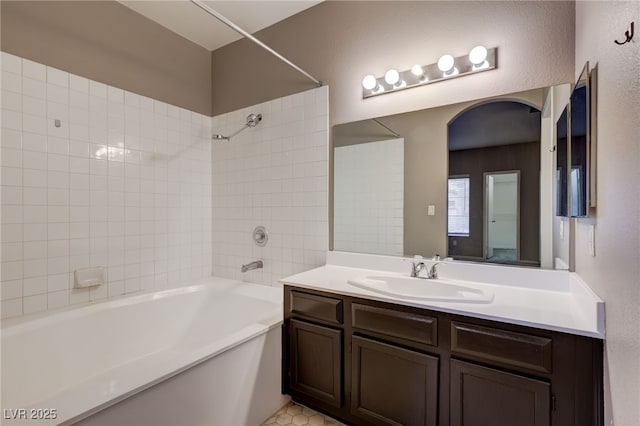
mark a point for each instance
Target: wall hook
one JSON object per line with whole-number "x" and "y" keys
{"x": 628, "y": 34}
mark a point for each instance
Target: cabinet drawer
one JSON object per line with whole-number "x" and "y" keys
{"x": 501, "y": 346}
{"x": 404, "y": 325}
{"x": 310, "y": 305}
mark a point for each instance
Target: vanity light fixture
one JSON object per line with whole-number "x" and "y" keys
{"x": 370, "y": 83}
{"x": 418, "y": 71}
{"x": 446, "y": 64}
{"x": 479, "y": 59}
{"x": 392, "y": 78}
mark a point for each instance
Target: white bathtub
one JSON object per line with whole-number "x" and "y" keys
{"x": 223, "y": 337}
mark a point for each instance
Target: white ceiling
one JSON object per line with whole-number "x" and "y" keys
{"x": 193, "y": 23}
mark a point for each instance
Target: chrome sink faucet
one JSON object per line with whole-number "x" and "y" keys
{"x": 417, "y": 267}
{"x": 433, "y": 272}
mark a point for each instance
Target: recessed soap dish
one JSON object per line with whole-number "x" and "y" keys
{"x": 88, "y": 277}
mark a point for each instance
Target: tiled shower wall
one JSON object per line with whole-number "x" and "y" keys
{"x": 124, "y": 182}
{"x": 274, "y": 175}
{"x": 367, "y": 221}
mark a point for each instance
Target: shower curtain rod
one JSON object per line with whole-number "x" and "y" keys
{"x": 233, "y": 26}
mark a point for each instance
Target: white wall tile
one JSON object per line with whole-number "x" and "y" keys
{"x": 34, "y": 124}
{"x": 57, "y": 94}
{"x": 35, "y": 250}
{"x": 31, "y": 87}
{"x": 34, "y": 268}
{"x": 35, "y": 232}
{"x": 11, "y": 119}
{"x": 34, "y": 70}
{"x": 275, "y": 185}
{"x": 11, "y": 63}
{"x": 12, "y": 82}
{"x": 11, "y": 308}
{"x": 35, "y": 285}
{"x": 33, "y": 304}
{"x": 32, "y": 142}
{"x": 34, "y": 106}
{"x": 11, "y": 139}
{"x": 11, "y": 100}
{"x": 12, "y": 176}
{"x": 363, "y": 222}
{"x": 78, "y": 84}
{"x": 57, "y": 77}
{"x": 98, "y": 89}
{"x": 57, "y": 299}
{"x": 124, "y": 182}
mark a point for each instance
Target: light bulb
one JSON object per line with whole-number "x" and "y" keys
{"x": 478, "y": 55}
{"x": 445, "y": 63}
{"x": 392, "y": 77}
{"x": 417, "y": 70}
{"x": 369, "y": 82}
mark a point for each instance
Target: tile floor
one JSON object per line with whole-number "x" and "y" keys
{"x": 294, "y": 414}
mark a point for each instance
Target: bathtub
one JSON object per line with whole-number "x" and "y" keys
{"x": 207, "y": 354}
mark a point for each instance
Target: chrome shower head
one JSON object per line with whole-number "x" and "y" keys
{"x": 253, "y": 119}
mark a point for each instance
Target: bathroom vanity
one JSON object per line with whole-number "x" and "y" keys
{"x": 369, "y": 358}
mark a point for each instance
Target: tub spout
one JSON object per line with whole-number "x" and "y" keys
{"x": 253, "y": 265}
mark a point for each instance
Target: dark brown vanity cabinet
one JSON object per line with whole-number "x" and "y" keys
{"x": 373, "y": 363}
{"x": 486, "y": 396}
{"x": 316, "y": 362}
{"x": 391, "y": 385}
{"x": 315, "y": 353}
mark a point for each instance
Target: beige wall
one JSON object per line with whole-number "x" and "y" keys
{"x": 108, "y": 42}
{"x": 341, "y": 41}
{"x": 614, "y": 273}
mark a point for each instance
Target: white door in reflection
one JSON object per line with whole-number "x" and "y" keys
{"x": 502, "y": 216}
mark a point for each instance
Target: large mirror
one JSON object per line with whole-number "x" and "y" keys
{"x": 460, "y": 180}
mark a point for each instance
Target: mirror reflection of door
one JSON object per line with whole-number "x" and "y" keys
{"x": 502, "y": 218}
{"x": 496, "y": 140}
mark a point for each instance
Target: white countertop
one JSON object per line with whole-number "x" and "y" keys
{"x": 551, "y": 300}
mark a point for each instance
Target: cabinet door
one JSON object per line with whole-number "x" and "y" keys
{"x": 316, "y": 362}
{"x": 393, "y": 386}
{"x": 483, "y": 396}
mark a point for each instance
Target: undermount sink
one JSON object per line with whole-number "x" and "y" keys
{"x": 440, "y": 290}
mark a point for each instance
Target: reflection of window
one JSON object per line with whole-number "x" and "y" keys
{"x": 458, "y": 212}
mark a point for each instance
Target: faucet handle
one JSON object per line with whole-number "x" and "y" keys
{"x": 433, "y": 271}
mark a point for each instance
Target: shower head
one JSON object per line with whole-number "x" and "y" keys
{"x": 252, "y": 121}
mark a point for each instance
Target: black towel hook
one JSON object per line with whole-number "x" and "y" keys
{"x": 628, "y": 34}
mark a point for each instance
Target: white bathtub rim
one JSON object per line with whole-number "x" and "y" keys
{"x": 12, "y": 325}
{"x": 98, "y": 392}
{"x": 139, "y": 379}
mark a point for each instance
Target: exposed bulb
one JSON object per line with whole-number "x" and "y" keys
{"x": 417, "y": 70}
{"x": 392, "y": 77}
{"x": 445, "y": 63}
{"x": 369, "y": 82}
{"x": 478, "y": 55}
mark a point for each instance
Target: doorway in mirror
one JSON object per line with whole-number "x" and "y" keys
{"x": 502, "y": 216}
{"x": 496, "y": 144}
